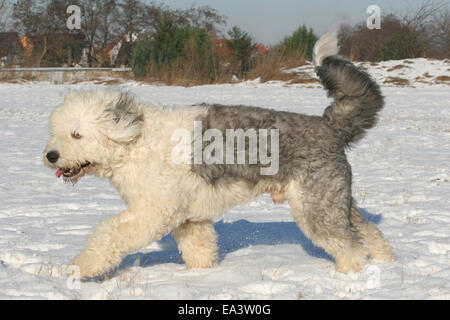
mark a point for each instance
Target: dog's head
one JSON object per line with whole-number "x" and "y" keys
{"x": 89, "y": 130}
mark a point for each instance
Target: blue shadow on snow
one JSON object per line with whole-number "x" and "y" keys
{"x": 237, "y": 235}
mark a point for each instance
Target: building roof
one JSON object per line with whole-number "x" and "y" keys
{"x": 9, "y": 41}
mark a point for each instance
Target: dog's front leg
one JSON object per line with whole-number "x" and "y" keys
{"x": 120, "y": 235}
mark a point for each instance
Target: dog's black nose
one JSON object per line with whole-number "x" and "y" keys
{"x": 52, "y": 156}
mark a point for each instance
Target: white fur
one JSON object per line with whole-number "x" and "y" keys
{"x": 326, "y": 46}
{"x": 161, "y": 195}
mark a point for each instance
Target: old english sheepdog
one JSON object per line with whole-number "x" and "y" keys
{"x": 112, "y": 135}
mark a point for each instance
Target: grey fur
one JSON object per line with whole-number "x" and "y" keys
{"x": 298, "y": 135}
{"x": 303, "y": 139}
{"x": 312, "y": 158}
{"x": 125, "y": 113}
{"x": 357, "y": 98}
{"x": 126, "y": 109}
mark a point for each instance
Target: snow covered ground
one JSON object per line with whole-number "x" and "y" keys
{"x": 401, "y": 182}
{"x": 415, "y": 73}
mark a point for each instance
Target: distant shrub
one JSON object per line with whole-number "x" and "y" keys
{"x": 182, "y": 54}
{"x": 241, "y": 46}
{"x": 420, "y": 32}
{"x": 168, "y": 42}
{"x": 399, "y": 45}
{"x": 140, "y": 57}
{"x": 301, "y": 39}
{"x": 272, "y": 64}
{"x": 200, "y": 60}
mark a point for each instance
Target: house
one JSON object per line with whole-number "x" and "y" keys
{"x": 27, "y": 46}
{"x": 120, "y": 52}
{"x": 222, "y": 47}
{"x": 10, "y": 49}
{"x": 60, "y": 49}
{"x": 80, "y": 49}
{"x": 261, "y": 48}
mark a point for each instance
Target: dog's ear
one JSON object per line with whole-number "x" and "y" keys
{"x": 123, "y": 119}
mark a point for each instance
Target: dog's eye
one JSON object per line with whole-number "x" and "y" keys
{"x": 76, "y": 135}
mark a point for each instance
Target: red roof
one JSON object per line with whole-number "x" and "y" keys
{"x": 220, "y": 44}
{"x": 261, "y": 48}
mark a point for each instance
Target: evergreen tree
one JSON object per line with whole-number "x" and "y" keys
{"x": 169, "y": 40}
{"x": 301, "y": 39}
{"x": 400, "y": 45}
{"x": 140, "y": 57}
{"x": 241, "y": 44}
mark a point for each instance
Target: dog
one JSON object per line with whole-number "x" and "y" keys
{"x": 112, "y": 135}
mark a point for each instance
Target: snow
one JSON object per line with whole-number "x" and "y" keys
{"x": 49, "y": 69}
{"x": 401, "y": 182}
{"x": 417, "y": 73}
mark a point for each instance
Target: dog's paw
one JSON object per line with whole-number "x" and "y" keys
{"x": 356, "y": 262}
{"x": 384, "y": 252}
{"x": 89, "y": 266}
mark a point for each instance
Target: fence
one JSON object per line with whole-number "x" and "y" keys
{"x": 63, "y": 75}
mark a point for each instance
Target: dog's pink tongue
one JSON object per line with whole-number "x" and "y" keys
{"x": 59, "y": 172}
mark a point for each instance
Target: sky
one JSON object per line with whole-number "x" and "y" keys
{"x": 269, "y": 21}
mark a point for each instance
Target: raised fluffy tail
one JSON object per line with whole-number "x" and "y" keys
{"x": 357, "y": 98}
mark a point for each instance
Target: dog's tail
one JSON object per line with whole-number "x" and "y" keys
{"x": 357, "y": 98}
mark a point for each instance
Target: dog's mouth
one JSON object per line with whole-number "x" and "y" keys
{"x": 72, "y": 174}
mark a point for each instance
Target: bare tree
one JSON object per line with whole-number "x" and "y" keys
{"x": 103, "y": 23}
{"x": 131, "y": 18}
{"x": 153, "y": 14}
{"x": 203, "y": 17}
{"x": 131, "y": 22}
{"x": 98, "y": 28}
{"x": 440, "y": 33}
{"x": 45, "y": 22}
{"x": 90, "y": 23}
{"x": 107, "y": 28}
{"x": 2, "y": 15}
{"x": 420, "y": 21}
{"x": 28, "y": 17}
{"x": 420, "y": 18}
{"x": 90, "y": 18}
{"x": 419, "y": 32}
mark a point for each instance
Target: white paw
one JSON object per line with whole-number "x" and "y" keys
{"x": 91, "y": 265}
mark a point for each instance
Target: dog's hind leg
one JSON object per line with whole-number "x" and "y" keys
{"x": 321, "y": 207}
{"x": 197, "y": 242}
{"x": 380, "y": 248}
{"x": 116, "y": 237}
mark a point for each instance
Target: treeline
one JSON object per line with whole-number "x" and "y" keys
{"x": 421, "y": 32}
{"x": 104, "y": 23}
{"x": 186, "y": 46}
{"x": 182, "y": 53}
{"x": 158, "y": 42}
